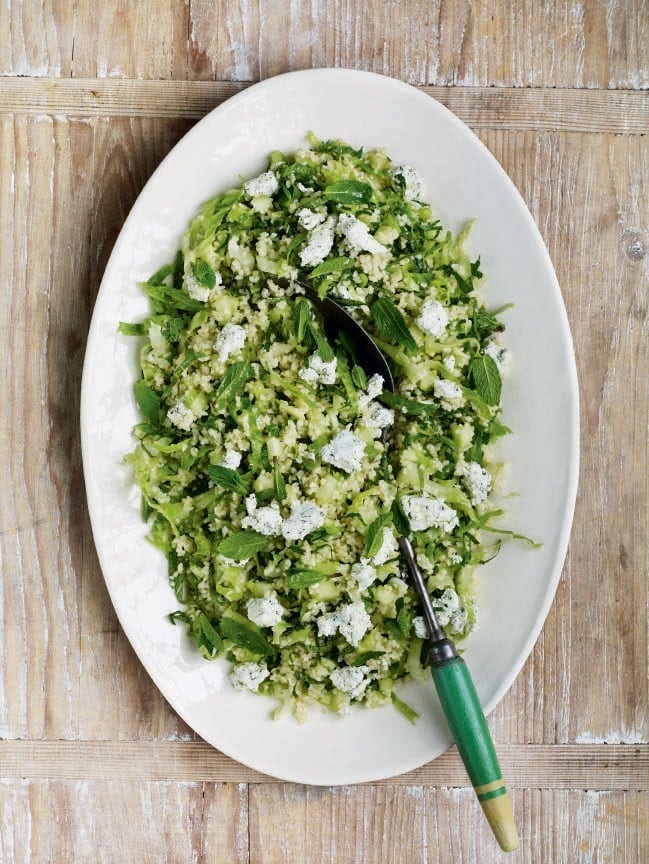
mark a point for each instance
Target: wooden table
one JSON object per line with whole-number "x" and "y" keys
{"x": 95, "y": 766}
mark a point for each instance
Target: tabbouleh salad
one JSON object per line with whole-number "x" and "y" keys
{"x": 275, "y": 475}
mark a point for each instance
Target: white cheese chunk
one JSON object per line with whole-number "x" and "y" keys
{"x": 377, "y": 418}
{"x": 319, "y": 371}
{"x": 319, "y": 244}
{"x": 351, "y": 679}
{"x": 421, "y": 631}
{"x": 309, "y": 219}
{"x": 305, "y": 517}
{"x": 478, "y": 480}
{"x": 363, "y": 573}
{"x": 433, "y": 318}
{"x": 448, "y": 392}
{"x": 499, "y": 354}
{"x": 265, "y": 611}
{"x": 350, "y": 620}
{"x": 424, "y": 513}
{"x": 357, "y": 235}
{"x": 413, "y": 184}
{"x": 181, "y": 416}
{"x": 389, "y": 548}
{"x": 195, "y": 289}
{"x": 230, "y": 340}
{"x": 248, "y": 676}
{"x": 345, "y": 451}
{"x": 264, "y": 184}
{"x": 232, "y": 459}
{"x": 449, "y": 611}
{"x": 265, "y": 520}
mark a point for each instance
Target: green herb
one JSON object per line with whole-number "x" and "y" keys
{"x": 359, "y": 377}
{"x": 235, "y": 379}
{"x": 485, "y": 379}
{"x": 399, "y": 518}
{"x": 206, "y": 636}
{"x": 297, "y": 579}
{"x": 484, "y": 324}
{"x": 404, "y": 617}
{"x": 331, "y": 265}
{"x": 246, "y": 637}
{"x": 131, "y": 329}
{"x": 405, "y": 709}
{"x": 242, "y": 545}
{"x": 301, "y": 317}
{"x": 407, "y": 406}
{"x": 364, "y": 656}
{"x": 279, "y": 487}
{"x": 173, "y": 297}
{"x": 391, "y": 323}
{"x": 173, "y": 329}
{"x": 228, "y": 478}
{"x": 374, "y": 536}
{"x": 148, "y": 402}
{"x": 204, "y": 274}
{"x": 178, "y": 270}
{"x": 160, "y": 275}
{"x": 349, "y": 192}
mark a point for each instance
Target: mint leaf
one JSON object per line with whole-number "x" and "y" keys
{"x": 178, "y": 270}
{"x": 332, "y": 265}
{"x": 409, "y": 713}
{"x": 485, "y": 379}
{"x": 173, "y": 297}
{"x": 172, "y": 329}
{"x": 399, "y": 519}
{"x": 204, "y": 274}
{"x": 148, "y": 402}
{"x": 235, "y": 379}
{"x": 484, "y": 324}
{"x": 206, "y": 636}
{"x": 245, "y": 636}
{"x": 391, "y": 323}
{"x": 349, "y": 192}
{"x": 303, "y": 579}
{"x": 300, "y": 317}
{"x": 374, "y": 536}
{"x": 242, "y": 545}
{"x": 409, "y": 407}
{"x": 279, "y": 487}
{"x": 228, "y": 478}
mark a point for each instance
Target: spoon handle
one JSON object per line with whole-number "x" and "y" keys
{"x": 466, "y": 721}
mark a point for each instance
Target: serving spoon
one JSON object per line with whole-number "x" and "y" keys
{"x": 453, "y": 681}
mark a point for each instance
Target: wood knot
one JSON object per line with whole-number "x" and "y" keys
{"x": 634, "y": 245}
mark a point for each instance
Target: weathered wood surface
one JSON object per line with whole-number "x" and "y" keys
{"x": 94, "y": 766}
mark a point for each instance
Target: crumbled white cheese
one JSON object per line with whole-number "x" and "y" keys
{"x": 433, "y": 318}
{"x": 319, "y": 371}
{"x": 232, "y": 459}
{"x": 421, "y": 630}
{"x": 230, "y": 340}
{"x": 264, "y": 184}
{"x": 454, "y": 557}
{"x": 319, "y": 244}
{"x": 181, "y": 416}
{"x": 449, "y": 611}
{"x": 345, "y": 451}
{"x": 351, "y": 679}
{"x": 388, "y": 549}
{"x": 363, "y": 573}
{"x": 306, "y": 189}
{"x": 251, "y": 503}
{"x": 265, "y": 611}
{"x": 309, "y": 219}
{"x": 424, "y": 513}
{"x": 374, "y": 389}
{"x": 265, "y": 520}
{"x": 182, "y": 545}
{"x": 449, "y": 362}
{"x": 449, "y": 392}
{"x": 195, "y": 289}
{"x": 248, "y": 676}
{"x": 351, "y": 621}
{"x": 357, "y": 235}
{"x": 478, "y": 480}
{"x": 377, "y": 418}
{"x": 305, "y": 517}
{"x": 414, "y": 185}
{"x": 499, "y": 354}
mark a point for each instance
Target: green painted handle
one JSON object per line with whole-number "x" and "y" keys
{"x": 467, "y": 723}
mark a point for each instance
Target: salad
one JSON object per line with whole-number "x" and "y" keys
{"x": 275, "y": 474}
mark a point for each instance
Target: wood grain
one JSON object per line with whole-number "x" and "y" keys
{"x": 519, "y": 44}
{"x": 598, "y": 767}
{"x": 613, "y": 112}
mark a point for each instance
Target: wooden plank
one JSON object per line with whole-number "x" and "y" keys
{"x": 376, "y": 825}
{"x": 138, "y": 822}
{"x": 522, "y": 44}
{"x": 557, "y": 766}
{"x": 607, "y": 111}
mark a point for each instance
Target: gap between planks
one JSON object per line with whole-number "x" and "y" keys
{"x": 539, "y": 109}
{"x": 598, "y": 767}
